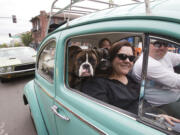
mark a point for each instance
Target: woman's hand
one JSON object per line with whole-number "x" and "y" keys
{"x": 170, "y": 119}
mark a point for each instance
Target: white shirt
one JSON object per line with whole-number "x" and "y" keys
{"x": 162, "y": 85}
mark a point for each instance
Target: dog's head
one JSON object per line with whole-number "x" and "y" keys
{"x": 84, "y": 62}
{"x": 103, "y": 55}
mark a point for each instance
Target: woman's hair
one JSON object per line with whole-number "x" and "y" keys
{"x": 101, "y": 42}
{"x": 117, "y": 46}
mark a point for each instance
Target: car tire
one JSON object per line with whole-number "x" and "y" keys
{"x": 2, "y": 80}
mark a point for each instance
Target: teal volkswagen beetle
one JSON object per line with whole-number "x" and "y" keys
{"x": 57, "y": 104}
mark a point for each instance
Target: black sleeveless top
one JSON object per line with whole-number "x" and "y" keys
{"x": 114, "y": 92}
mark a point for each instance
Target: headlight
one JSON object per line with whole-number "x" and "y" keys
{"x": 2, "y": 69}
{"x": 9, "y": 69}
{"x": 6, "y": 69}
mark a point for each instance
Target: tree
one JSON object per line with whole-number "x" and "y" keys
{"x": 26, "y": 38}
{"x": 4, "y": 45}
{"x": 16, "y": 44}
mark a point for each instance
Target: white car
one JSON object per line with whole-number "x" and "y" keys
{"x": 16, "y": 61}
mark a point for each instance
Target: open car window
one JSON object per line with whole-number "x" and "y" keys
{"x": 160, "y": 89}
{"x": 97, "y": 59}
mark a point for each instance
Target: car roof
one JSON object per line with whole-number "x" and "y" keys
{"x": 167, "y": 10}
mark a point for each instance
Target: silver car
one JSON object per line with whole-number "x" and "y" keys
{"x": 16, "y": 61}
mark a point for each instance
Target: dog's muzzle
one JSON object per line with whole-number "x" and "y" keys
{"x": 86, "y": 70}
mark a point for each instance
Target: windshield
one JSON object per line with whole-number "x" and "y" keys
{"x": 17, "y": 52}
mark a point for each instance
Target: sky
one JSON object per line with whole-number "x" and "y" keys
{"x": 24, "y": 10}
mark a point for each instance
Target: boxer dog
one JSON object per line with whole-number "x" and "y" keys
{"x": 85, "y": 63}
{"x": 82, "y": 64}
{"x": 103, "y": 68}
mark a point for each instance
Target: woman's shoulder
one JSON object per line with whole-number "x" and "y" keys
{"x": 132, "y": 81}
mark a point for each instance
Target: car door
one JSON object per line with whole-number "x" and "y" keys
{"x": 78, "y": 113}
{"x": 44, "y": 82}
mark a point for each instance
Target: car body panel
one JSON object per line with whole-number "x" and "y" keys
{"x": 9, "y": 62}
{"x": 30, "y": 94}
{"x": 97, "y": 119}
{"x": 166, "y": 10}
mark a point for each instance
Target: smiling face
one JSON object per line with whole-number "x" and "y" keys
{"x": 122, "y": 67}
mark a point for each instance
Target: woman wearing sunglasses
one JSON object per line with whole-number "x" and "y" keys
{"x": 119, "y": 89}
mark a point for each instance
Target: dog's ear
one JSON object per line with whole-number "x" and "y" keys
{"x": 73, "y": 50}
{"x": 102, "y": 53}
{"x": 103, "y": 69}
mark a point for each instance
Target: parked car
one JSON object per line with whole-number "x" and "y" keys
{"x": 16, "y": 61}
{"x": 59, "y": 109}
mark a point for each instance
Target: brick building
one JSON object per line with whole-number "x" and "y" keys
{"x": 39, "y": 25}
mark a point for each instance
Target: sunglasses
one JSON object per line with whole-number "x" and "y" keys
{"x": 159, "y": 45}
{"x": 124, "y": 57}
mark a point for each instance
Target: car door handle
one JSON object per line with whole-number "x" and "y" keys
{"x": 54, "y": 109}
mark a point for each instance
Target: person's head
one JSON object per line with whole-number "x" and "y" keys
{"x": 105, "y": 43}
{"x": 158, "y": 49}
{"x": 122, "y": 57}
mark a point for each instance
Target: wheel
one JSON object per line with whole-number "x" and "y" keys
{"x": 2, "y": 80}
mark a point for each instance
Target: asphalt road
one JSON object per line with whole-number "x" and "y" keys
{"x": 14, "y": 115}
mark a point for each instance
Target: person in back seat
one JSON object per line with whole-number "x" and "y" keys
{"x": 105, "y": 43}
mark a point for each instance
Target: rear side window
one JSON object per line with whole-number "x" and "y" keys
{"x": 46, "y": 61}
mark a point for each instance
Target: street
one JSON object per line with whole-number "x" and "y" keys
{"x": 14, "y": 115}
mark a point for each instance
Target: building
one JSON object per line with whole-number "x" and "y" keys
{"x": 40, "y": 22}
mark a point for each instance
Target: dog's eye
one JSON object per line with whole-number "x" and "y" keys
{"x": 91, "y": 60}
{"x": 80, "y": 60}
